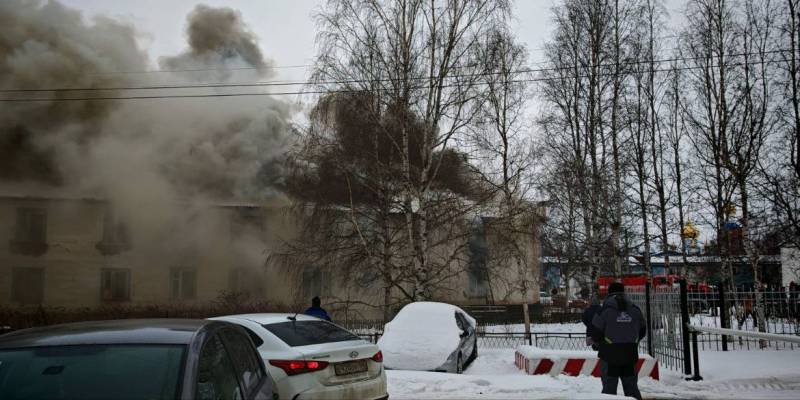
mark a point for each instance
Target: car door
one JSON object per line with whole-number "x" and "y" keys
{"x": 468, "y": 341}
{"x": 250, "y": 370}
{"x": 216, "y": 376}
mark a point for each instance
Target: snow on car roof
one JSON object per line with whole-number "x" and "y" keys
{"x": 421, "y": 336}
{"x": 272, "y": 318}
{"x": 429, "y": 314}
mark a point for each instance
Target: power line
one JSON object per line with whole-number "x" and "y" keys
{"x": 267, "y": 84}
{"x": 219, "y": 85}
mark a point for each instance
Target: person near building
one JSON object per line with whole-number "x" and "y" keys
{"x": 316, "y": 310}
{"x": 587, "y": 318}
{"x": 617, "y": 328}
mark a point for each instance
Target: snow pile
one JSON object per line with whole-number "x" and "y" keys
{"x": 421, "y": 337}
{"x": 492, "y": 376}
{"x": 731, "y": 375}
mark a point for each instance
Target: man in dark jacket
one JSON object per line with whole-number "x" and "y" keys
{"x": 588, "y": 318}
{"x": 618, "y": 328}
{"x": 316, "y": 310}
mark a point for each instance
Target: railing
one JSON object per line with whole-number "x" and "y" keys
{"x": 761, "y": 336}
{"x": 781, "y": 315}
{"x": 494, "y": 340}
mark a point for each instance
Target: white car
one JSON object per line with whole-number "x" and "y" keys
{"x": 310, "y": 358}
{"x": 428, "y": 336}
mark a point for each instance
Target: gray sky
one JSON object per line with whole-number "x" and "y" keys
{"x": 285, "y": 28}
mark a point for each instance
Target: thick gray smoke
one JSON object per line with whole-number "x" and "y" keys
{"x": 217, "y": 36}
{"x": 144, "y": 155}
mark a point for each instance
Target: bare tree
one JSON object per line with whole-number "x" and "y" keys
{"x": 504, "y": 152}
{"x": 418, "y": 54}
{"x": 708, "y": 44}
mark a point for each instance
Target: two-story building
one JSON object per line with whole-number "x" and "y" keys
{"x": 85, "y": 252}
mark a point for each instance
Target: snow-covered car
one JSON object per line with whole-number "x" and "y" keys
{"x": 428, "y": 336}
{"x": 310, "y": 358}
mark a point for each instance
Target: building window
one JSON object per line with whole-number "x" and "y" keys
{"x": 115, "y": 235}
{"x": 246, "y": 221}
{"x": 245, "y": 281}
{"x": 316, "y": 282}
{"x": 27, "y": 285}
{"x": 115, "y": 284}
{"x": 183, "y": 283}
{"x": 30, "y": 235}
{"x": 477, "y": 271}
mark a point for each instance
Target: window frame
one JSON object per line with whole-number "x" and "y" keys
{"x": 256, "y": 357}
{"x": 23, "y": 227}
{"x": 115, "y": 272}
{"x": 178, "y": 295}
{"x": 14, "y": 284}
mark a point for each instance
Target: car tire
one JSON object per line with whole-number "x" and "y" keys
{"x": 474, "y": 354}
{"x": 459, "y": 364}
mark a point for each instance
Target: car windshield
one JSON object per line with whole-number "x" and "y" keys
{"x": 91, "y": 372}
{"x": 305, "y": 333}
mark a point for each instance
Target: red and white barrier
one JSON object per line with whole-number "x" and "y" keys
{"x": 535, "y": 361}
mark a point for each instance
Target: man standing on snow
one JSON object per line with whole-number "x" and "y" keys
{"x": 588, "y": 319}
{"x": 316, "y": 310}
{"x": 618, "y": 328}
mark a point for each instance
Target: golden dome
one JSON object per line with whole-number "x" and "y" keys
{"x": 690, "y": 231}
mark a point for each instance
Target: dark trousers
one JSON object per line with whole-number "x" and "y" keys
{"x": 630, "y": 383}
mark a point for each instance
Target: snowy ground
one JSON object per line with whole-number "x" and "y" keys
{"x": 740, "y": 374}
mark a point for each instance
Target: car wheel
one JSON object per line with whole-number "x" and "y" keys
{"x": 459, "y": 364}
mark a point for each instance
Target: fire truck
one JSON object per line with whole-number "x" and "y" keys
{"x": 658, "y": 281}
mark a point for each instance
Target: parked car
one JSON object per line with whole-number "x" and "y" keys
{"x": 315, "y": 359}
{"x": 133, "y": 359}
{"x": 545, "y": 299}
{"x": 430, "y": 336}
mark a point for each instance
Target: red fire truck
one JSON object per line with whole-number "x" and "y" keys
{"x": 657, "y": 282}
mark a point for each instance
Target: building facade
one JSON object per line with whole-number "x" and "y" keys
{"x": 84, "y": 252}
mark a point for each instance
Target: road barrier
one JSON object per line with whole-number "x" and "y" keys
{"x": 536, "y": 361}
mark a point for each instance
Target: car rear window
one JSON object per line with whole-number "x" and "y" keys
{"x": 305, "y": 333}
{"x": 91, "y": 372}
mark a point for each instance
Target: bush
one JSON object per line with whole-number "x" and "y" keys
{"x": 32, "y": 316}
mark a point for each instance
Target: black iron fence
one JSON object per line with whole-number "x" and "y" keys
{"x": 665, "y": 338}
{"x": 739, "y": 309}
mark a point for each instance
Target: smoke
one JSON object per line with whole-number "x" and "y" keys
{"x": 217, "y": 36}
{"x": 146, "y": 156}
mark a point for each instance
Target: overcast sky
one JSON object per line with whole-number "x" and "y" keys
{"x": 285, "y": 28}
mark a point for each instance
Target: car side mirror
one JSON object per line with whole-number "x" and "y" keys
{"x": 463, "y": 333}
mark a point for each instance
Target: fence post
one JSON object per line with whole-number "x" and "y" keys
{"x": 696, "y": 358}
{"x": 724, "y": 319}
{"x": 527, "y": 319}
{"x": 648, "y": 313}
{"x": 687, "y": 354}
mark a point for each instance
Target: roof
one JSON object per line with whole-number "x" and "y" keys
{"x": 127, "y": 331}
{"x": 269, "y": 318}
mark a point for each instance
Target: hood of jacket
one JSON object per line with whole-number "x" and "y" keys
{"x": 613, "y": 300}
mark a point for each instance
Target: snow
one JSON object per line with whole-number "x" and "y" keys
{"x": 420, "y": 337}
{"x": 492, "y": 376}
{"x": 727, "y": 375}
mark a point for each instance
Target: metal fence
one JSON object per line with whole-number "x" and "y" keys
{"x": 738, "y": 310}
{"x": 545, "y": 340}
{"x": 665, "y": 340}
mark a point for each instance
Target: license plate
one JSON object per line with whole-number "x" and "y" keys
{"x": 350, "y": 367}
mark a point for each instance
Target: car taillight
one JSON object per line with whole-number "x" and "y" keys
{"x": 297, "y": 367}
{"x": 378, "y": 357}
